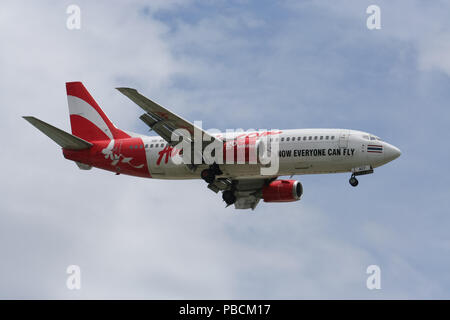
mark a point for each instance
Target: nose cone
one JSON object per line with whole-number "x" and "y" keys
{"x": 391, "y": 152}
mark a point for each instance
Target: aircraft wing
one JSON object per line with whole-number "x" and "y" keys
{"x": 248, "y": 192}
{"x": 161, "y": 120}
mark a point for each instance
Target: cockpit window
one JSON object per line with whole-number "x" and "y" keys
{"x": 373, "y": 138}
{"x": 366, "y": 137}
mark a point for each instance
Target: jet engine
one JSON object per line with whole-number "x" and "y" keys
{"x": 282, "y": 191}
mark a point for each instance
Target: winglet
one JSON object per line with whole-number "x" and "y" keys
{"x": 125, "y": 89}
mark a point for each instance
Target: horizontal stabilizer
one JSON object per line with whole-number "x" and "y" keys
{"x": 64, "y": 139}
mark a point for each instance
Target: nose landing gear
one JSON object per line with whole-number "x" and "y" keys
{"x": 353, "y": 181}
{"x": 359, "y": 171}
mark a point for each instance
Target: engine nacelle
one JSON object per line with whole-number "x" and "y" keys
{"x": 282, "y": 191}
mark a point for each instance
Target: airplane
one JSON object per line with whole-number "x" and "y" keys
{"x": 96, "y": 142}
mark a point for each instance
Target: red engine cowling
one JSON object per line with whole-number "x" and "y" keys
{"x": 282, "y": 191}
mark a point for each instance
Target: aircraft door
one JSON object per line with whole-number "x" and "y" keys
{"x": 343, "y": 139}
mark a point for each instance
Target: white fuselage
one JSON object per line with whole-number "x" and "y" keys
{"x": 301, "y": 151}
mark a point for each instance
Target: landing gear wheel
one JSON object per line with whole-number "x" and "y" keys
{"x": 353, "y": 181}
{"x": 208, "y": 175}
{"x": 215, "y": 169}
{"x": 229, "y": 197}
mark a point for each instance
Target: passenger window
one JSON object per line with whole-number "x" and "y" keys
{"x": 287, "y": 139}
{"x": 321, "y": 137}
{"x": 156, "y": 145}
{"x": 332, "y": 137}
{"x": 299, "y": 138}
{"x": 304, "y": 138}
{"x": 131, "y": 147}
{"x": 151, "y": 146}
{"x": 310, "y": 138}
{"x": 327, "y": 137}
{"x": 293, "y": 138}
{"x": 315, "y": 138}
{"x": 282, "y": 139}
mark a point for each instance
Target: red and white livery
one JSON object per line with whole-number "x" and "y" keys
{"x": 96, "y": 142}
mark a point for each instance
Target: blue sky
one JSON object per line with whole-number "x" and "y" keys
{"x": 231, "y": 64}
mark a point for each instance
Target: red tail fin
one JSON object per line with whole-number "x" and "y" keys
{"x": 87, "y": 119}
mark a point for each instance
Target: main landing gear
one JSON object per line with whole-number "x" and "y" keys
{"x": 227, "y": 186}
{"x": 229, "y": 197}
{"x": 353, "y": 181}
{"x": 209, "y": 175}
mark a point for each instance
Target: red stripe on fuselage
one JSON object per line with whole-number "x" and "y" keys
{"x": 126, "y": 156}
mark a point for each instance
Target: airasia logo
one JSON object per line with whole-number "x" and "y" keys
{"x": 167, "y": 152}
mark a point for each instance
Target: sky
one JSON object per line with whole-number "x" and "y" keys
{"x": 231, "y": 64}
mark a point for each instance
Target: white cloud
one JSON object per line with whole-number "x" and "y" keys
{"x": 414, "y": 23}
{"x": 137, "y": 238}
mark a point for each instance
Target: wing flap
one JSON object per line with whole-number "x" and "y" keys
{"x": 164, "y": 129}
